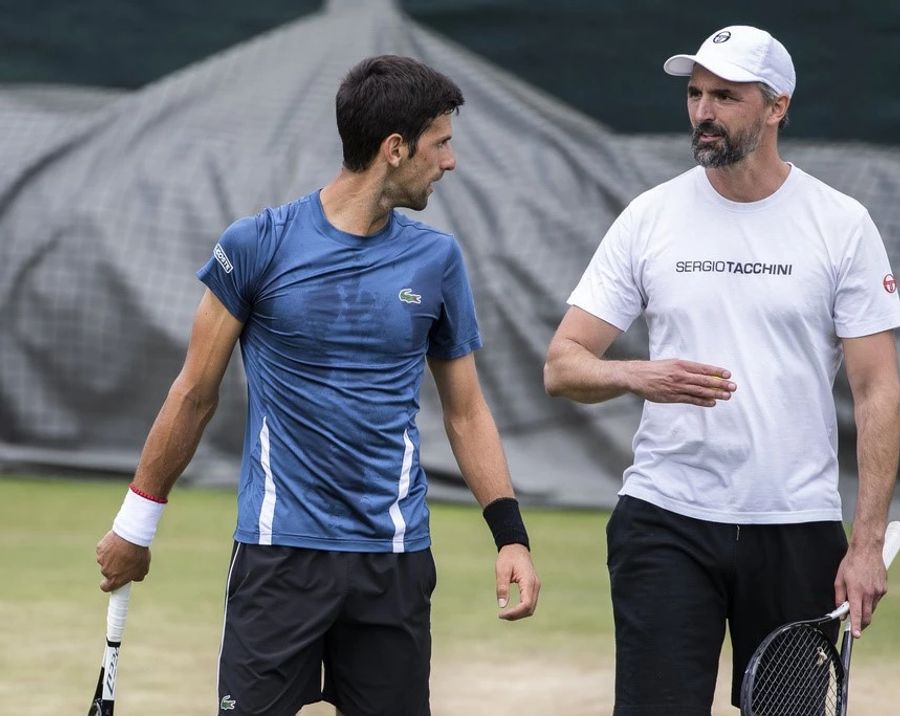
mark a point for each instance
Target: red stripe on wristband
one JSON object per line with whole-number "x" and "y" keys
{"x": 140, "y": 493}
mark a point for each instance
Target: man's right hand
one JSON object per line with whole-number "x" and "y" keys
{"x": 121, "y": 561}
{"x": 681, "y": 381}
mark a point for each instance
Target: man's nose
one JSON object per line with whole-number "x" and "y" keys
{"x": 704, "y": 110}
{"x": 448, "y": 163}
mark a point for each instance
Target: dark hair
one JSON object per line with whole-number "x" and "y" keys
{"x": 388, "y": 94}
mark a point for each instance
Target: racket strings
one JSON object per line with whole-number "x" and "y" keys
{"x": 798, "y": 674}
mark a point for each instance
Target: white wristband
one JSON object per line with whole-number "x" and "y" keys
{"x": 137, "y": 519}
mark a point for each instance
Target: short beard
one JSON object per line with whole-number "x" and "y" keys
{"x": 730, "y": 150}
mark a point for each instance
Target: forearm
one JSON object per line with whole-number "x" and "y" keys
{"x": 173, "y": 439}
{"x": 476, "y": 446}
{"x": 479, "y": 454}
{"x": 573, "y": 372}
{"x": 878, "y": 450}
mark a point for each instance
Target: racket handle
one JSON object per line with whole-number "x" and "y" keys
{"x": 116, "y": 613}
{"x": 840, "y": 612}
{"x": 891, "y": 547}
{"x": 891, "y": 543}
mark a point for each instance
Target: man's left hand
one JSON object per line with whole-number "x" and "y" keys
{"x": 862, "y": 581}
{"x": 514, "y": 565}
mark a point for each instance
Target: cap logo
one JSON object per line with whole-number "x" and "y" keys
{"x": 722, "y": 37}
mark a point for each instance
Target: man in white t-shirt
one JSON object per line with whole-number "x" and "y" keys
{"x": 755, "y": 280}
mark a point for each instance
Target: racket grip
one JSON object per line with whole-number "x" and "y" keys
{"x": 891, "y": 547}
{"x": 116, "y": 613}
{"x": 891, "y": 543}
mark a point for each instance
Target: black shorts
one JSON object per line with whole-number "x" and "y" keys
{"x": 365, "y": 616}
{"x": 677, "y": 581}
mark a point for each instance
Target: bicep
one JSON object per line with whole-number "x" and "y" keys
{"x": 457, "y": 383}
{"x": 871, "y": 363}
{"x": 213, "y": 337}
{"x": 582, "y": 328}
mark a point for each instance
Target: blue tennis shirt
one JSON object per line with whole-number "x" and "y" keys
{"x": 336, "y": 330}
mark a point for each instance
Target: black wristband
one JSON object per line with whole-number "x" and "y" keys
{"x": 505, "y": 521}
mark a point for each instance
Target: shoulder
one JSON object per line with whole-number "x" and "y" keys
{"x": 272, "y": 221}
{"x": 827, "y": 198}
{"x": 661, "y": 195}
{"x": 441, "y": 243}
{"x": 421, "y": 230}
{"x": 265, "y": 229}
{"x": 240, "y": 231}
{"x": 648, "y": 207}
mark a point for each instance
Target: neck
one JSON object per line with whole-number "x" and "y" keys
{"x": 757, "y": 176}
{"x": 355, "y": 203}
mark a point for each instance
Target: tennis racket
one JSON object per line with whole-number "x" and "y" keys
{"x": 797, "y": 670}
{"x": 105, "y": 695}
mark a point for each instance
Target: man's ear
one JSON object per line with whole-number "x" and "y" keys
{"x": 394, "y": 149}
{"x": 779, "y": 109}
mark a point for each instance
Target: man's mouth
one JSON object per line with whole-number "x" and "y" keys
{"x": 707, "y": 132}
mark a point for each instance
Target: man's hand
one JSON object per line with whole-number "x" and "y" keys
{"x": 514, "y": 565}
{"x": 121, "y": 561}
{"x": 681, "y": 381}
{"x": 862, "y": 581}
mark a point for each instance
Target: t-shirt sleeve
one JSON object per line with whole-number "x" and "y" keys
{"x": 608, "y": 288}
{"x": 232, "y": 271}
{"x": 455, "y": 333}
{"x": 867, "y": 300}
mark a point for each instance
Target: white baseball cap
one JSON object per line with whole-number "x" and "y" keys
{"x": 741, "y": 53}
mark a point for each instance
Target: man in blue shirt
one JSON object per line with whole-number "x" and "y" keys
{"x": 337, "y": 300}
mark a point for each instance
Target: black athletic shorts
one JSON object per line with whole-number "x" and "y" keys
{"x": 365, "y": 616}
{"x": 676, "y": 581}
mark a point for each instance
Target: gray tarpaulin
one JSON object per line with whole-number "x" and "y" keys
{"x": 109, "y": 202}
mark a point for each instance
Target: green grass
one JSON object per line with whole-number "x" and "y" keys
{"x": 569, "y": 552}
{"x": 53, "y": 615}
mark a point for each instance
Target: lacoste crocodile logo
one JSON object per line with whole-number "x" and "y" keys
{"x": 227, "y": 703}
{"x": 407, "y": 296}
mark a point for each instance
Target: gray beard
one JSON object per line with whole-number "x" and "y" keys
{"x": 729, "y": 150}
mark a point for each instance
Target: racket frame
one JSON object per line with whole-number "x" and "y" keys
{"x": 891, "y": 547}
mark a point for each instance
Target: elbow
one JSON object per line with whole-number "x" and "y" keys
{"x": 193, "y": 396}
{"x": 552, "y": 384}
{"x": 869, "y": 396}
{"x": 560, "y": 372}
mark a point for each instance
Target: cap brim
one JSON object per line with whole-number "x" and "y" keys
{"x": 683, "y": 66}
{"x": 680, "y": 65}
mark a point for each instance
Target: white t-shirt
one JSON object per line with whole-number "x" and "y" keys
{"x": 765, "y": 290}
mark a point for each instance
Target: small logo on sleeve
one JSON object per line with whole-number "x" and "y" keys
{"x": 889, "y": 283}
{"x": 407, "y": 296}
{"x": 219, "y": 253}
